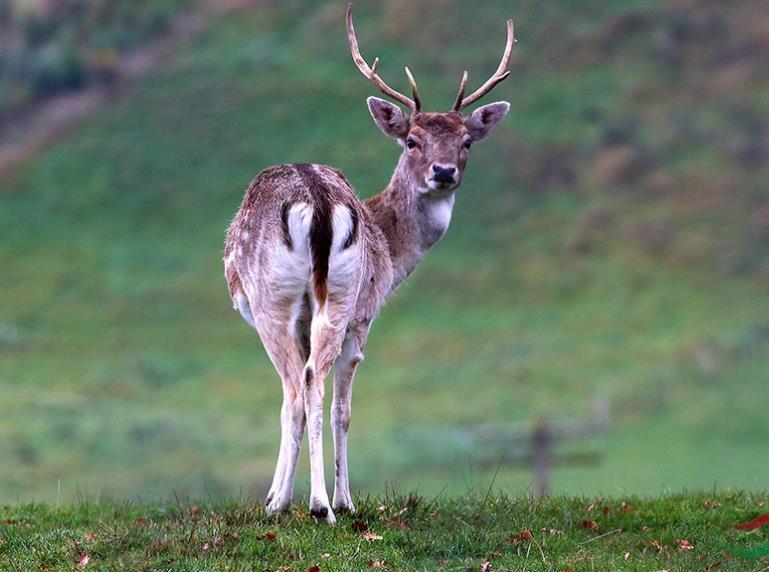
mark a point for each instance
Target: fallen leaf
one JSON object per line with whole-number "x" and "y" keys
{"x": 523, "y": 536}
{"x": 83, "y": 562}
{"x": 195, "y": 510}
{"x": 314, "y": 568}
{"x": 377, "y": 563}
{"x": 370, "y": 536}
{"x": 89, "y": 537}
{"x": 684, "y": 544}
{"x": 590, "y": 507}
{"x": 605, "y": 510}
{"x": 589, "y": 524}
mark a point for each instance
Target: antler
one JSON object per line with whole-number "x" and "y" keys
{"x": 370, "y": 72}
{"x": 499, "y": 75}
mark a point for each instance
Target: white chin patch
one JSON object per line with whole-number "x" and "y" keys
{"x": 436, "y": 186}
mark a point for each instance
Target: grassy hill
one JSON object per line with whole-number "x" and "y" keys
{"x": 486, "y": 533}
{"x": 610, "y": 240}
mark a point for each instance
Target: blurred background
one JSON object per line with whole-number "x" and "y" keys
{"x": 607, "y": 267}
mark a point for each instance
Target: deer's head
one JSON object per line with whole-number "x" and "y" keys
{"x": 435, "y": 145}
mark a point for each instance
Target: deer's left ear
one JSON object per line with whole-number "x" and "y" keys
{"x": 483, "y": 120}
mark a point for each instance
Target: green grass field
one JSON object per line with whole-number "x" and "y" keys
{"x": 481, "y": 532}
{"x": 611, "y": 240}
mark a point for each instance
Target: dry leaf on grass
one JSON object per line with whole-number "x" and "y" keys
{"x": 523, "y": 536}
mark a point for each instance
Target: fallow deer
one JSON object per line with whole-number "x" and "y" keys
{"x": 309, "y": 264}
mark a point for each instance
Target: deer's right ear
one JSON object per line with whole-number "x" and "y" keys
{"x": 388, "y": 117}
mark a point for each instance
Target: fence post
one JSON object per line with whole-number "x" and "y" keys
{"x": 541, "y": 442}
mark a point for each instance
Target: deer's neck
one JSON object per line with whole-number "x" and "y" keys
{"x": 411, "y": 222}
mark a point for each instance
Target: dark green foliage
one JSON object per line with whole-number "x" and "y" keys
{"x": 49, "y": 49}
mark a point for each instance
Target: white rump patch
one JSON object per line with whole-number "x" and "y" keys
{"x": 344, "y": 265}
{"x": 341, "y": 222}
{"x": 299, "y": 221}
{"x": 290, "y": 269}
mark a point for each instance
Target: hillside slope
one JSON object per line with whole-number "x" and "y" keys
{"x": 609, "y": 240}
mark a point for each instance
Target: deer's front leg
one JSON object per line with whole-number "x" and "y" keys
{"x": 341, "y": 409}
{"x": 326, "y": 342}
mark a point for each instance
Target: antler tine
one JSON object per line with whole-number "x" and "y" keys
{"x": 371, "y": 74}
{"x": 414, "y": 91}
{"x": 499, "y": 75}
{"x": 460, "y": 93}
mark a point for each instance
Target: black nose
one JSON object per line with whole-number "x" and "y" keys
{"x": 443, "y": 174}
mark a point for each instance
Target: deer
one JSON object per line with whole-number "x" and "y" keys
{"x": 309, "y": 264}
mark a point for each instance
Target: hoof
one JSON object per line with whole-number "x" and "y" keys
{"x": 277, "y": 505}
{"x": 341, "y": 507}
{"x": 322, "y": 513}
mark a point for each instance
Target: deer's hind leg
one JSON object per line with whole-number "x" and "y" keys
{"x": 326, "y": 343}
{"x": 341, "y": 409}
{"x": 278, "y": 337}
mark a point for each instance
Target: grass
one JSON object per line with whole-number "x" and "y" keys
{"x": 395, "y": 532}
{"x": 608, "y": 241}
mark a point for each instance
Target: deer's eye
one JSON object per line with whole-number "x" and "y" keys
{"x": 411, "y": 143}
{"x": 468, "y": 143}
